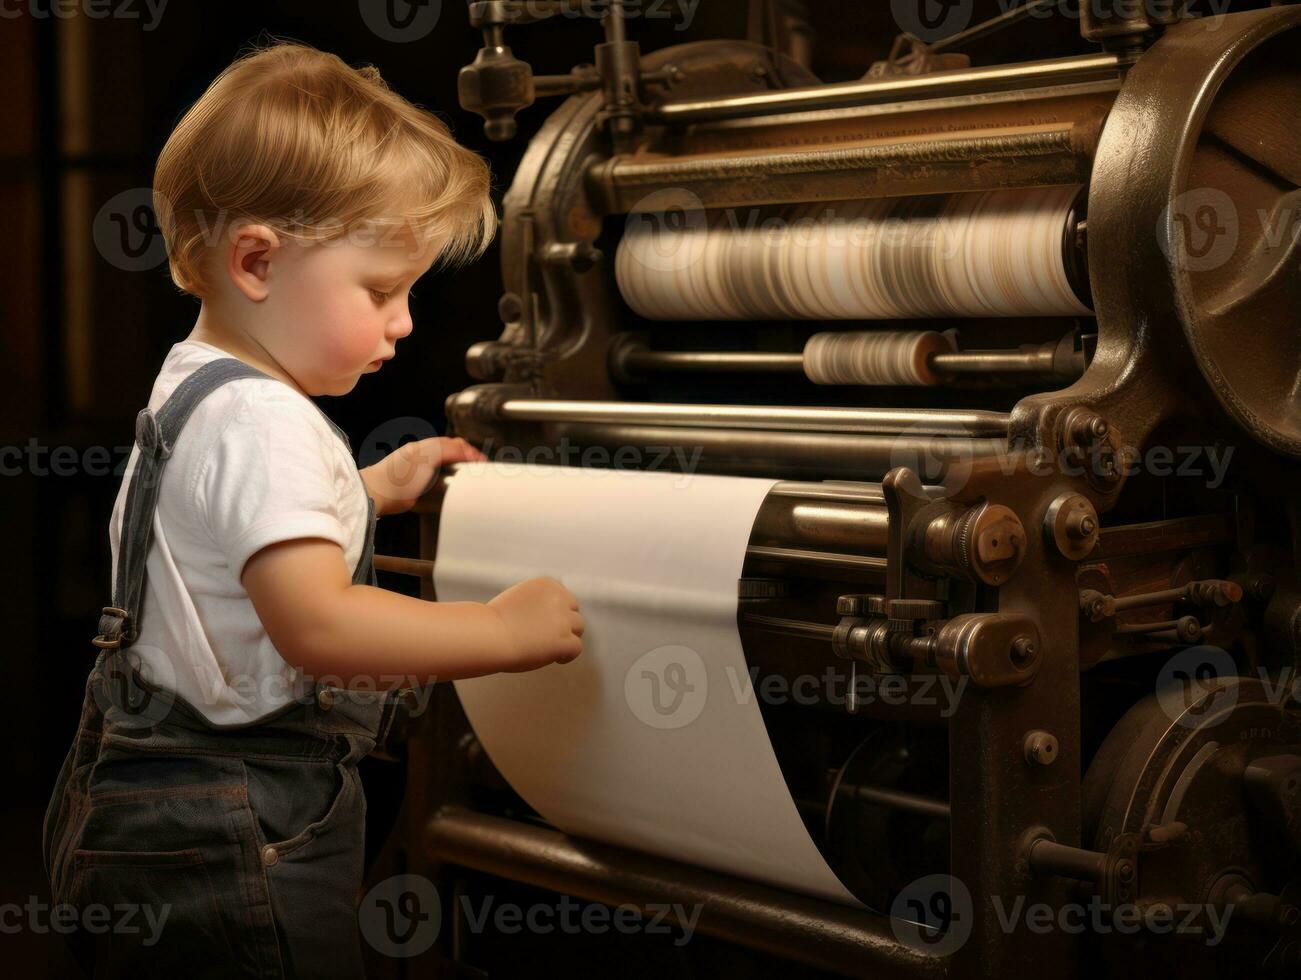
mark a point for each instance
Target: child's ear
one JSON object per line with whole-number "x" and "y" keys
{"x": 248, "y": 259}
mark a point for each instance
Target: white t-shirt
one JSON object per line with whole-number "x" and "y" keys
{"x": 256, "y": 463}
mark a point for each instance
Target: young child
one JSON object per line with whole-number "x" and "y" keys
{"x": 212, "y": 783}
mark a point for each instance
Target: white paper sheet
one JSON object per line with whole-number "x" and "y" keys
{"x": 652, "y": 739}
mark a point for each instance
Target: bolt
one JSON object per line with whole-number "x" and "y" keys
{"x": 1167, "y": 832}
{"x": 1262, "y": 588}
{"x": 1040, "y": 748}
{"x": 1188, "y": 629}
{"x": 1125, "y": 871}
{"x": 1087, "y": 428}
{"x": 1024, "y": 651}
{"x": 1080, "y": 525}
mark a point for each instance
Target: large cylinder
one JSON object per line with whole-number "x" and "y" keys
{"x": 994, "y": 254}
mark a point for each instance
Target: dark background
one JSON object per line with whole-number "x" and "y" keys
{"x": 86, "y": 104}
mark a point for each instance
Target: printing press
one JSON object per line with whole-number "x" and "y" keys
{"x": 1034, "y": 433}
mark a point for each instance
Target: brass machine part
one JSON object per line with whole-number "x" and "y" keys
{"x": 498, "y": 85}
{"x": 989, "y": 649}
{"x": 983, "y": 544}
{"x": 1206, "y": 773}
{"x": 1072, "y": 526}
{"x": 1098, "y": 606}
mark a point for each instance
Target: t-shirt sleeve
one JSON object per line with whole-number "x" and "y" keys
{"x": 268, "y": 477}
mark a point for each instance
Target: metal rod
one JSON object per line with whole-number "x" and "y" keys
{"x": 838, "y": 490}
{"x": 992, "y": 26}
{"x": 789, "y": 627}
{"x": 820, "y": 934}
{"x": 917, "y": 421}
{"x": 772, "y": 453}
{"x": 1060, "y": 153}
{"x": 1037, "y": 360}
{"x": 964, "y": 81}
{"x": 854, "y": 528}
{"x": 1049, "y": 857}
{"x": 642, "y": 361}
{"x": 1199, "y": 593}
{"x": 635, "y": 360}
{"x": 1154, "y": 627}
{"x": 415, "y": 567}
{"x": 897, "y": 799}
{"x": 1259, "y": 908}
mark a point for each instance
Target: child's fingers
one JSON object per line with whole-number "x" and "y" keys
{"x": 459, "y": 451}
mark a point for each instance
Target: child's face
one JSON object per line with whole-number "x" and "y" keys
{"x": 335, "y": 309}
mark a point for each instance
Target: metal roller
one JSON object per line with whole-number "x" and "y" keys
{"x": 885, "y": 357}
{"x": 993, "y": 254}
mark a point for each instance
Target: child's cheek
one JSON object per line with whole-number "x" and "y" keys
{"x": 352, "y": 336}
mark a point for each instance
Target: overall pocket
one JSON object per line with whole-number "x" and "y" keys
{"x": 163, "y": 836}
{"x": 151, "y": 913}
{"x": 294, "y": 802}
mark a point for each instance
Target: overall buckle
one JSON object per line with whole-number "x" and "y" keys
{"x": 112, "y": 628}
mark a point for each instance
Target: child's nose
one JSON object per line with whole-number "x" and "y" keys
{"x": 400, "y": 325}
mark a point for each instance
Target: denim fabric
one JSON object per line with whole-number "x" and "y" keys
{"x": 239, "y": 848}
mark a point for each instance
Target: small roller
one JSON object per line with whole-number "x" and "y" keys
{"x": 874, "y": 357}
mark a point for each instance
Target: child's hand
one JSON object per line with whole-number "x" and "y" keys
{"x": 542, "y": 623}
{"x": 398, "y": 480}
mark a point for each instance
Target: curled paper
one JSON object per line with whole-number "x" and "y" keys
{"x": 648, "y": 740}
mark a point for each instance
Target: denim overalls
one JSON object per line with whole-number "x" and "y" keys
{"x": 237, "y": 850}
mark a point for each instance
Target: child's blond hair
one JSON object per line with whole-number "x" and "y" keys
{"x": 292, "y": 137}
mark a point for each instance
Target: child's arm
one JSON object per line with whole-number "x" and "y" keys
{"x": 323, "y": 624}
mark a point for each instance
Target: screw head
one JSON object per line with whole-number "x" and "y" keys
{"x": 1040, "y": 748}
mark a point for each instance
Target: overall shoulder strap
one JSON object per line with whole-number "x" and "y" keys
{"x": 156, "y": 435}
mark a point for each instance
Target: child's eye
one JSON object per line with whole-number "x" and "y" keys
{"x": 380, "y": 297}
